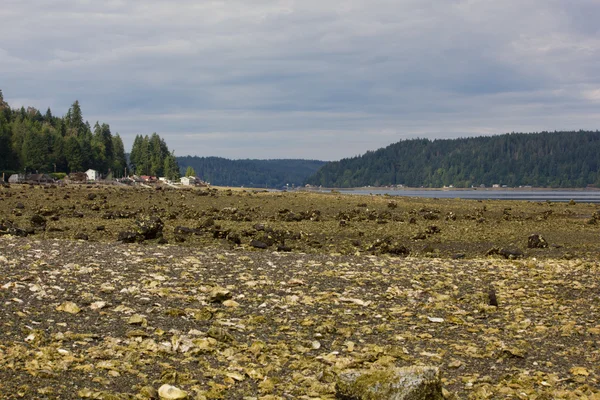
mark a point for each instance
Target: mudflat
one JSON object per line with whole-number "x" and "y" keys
{"x": 242, "y": 294}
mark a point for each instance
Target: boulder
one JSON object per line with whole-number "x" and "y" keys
{"x": 407, "y": 383}
{"x": 127, "y": 237}
{"x": 536, "y": 241}
{"x": 38, "y": 221}
{"x": 258, "y": 244}
{"x": 149, "y": 227}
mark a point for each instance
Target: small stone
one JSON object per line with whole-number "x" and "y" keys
{"x": 231, "y": 303}
{"x": 98, "y": 305}
{"x": 148, "y": 392}
{"x": 169, "y": 392}
{"x": 68, "y": 307}
{"x": 81, "y": 236}
{"x": 136, "y": 319}
{"x": 136, "y": 333}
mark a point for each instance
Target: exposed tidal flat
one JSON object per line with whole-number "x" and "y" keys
{"x": 242, "y": 294}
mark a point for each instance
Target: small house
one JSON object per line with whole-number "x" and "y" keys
{"x": 188, "y": 180}
{"x": 16, "y": 178}
{"x": 148, "y": 179}
{"x": 39, "y": 178}
{"x": 92, "y": 175}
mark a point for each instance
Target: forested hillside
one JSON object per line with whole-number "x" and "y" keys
{"x": 546, "y": 159}
{"x": 251, "y": 173}
{"x": 34, "y": 142}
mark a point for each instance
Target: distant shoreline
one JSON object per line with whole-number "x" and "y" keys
{"x": 381, "y": 189}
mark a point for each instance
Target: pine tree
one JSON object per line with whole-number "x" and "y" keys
{"x": 190, "y": 172}
{"x": 119, "y": 162}
{"x": 171, "y": 167}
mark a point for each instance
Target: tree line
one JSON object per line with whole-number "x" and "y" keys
{"x": 250, "y": 173}
{"x": 565, "y": 159}
{"x": 34, "y": 142}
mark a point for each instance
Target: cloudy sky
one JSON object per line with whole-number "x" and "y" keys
{"x": 317, "y": 79}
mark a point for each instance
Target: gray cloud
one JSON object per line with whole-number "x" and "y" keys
{"x": 310, "y": 79}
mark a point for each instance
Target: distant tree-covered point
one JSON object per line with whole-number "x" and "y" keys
{"x": 545, "y": 159}
{"x": 250, "y": 173}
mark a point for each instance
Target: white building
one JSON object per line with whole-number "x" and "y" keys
{"x": 188, "y": 180}
{"x": 92, "y": 175}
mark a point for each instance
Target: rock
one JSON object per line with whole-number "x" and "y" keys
{"x": 148, "y": 392}
{"x": 20, "y": 206}
{"x": 68, "y": 307}
{"x": 220, "y": 334}
{"x": 149, "y": 227}
{"x": 234, "y": 238}
{"x": 458, "y": 256}
{"x": 432, "y": 229}
{"x": 169, "y": 392}
{"x": 127, "y": 237}
{"x": 258, "y": 244}
{"x": 536, "y": 241}
{"x": 91, "y": 196}
{"x": 136, "y": 333}
{"x": 100, "y": 228}
{"x": 284, "y": 248}
{"x": 98, "y": 305}
{"x": 511, "y": 254}
{"x": 492, "y": 299}
{"x": 136, "y": 319}
{"x": 38, "y": 221}
{"x": 408, "y": 383}
{"x": 81, "y": 236}
{"x": 219, "y": 295}
{"x": 231, "y": 303}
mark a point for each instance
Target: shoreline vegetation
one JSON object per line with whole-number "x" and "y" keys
{"x": 112, "y": 292}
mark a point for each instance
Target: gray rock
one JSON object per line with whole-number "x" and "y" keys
{"x": 408, "y": 383}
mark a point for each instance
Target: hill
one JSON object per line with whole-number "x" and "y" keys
{"x": 251, "y": 173}
{"x": 545, "y": 159}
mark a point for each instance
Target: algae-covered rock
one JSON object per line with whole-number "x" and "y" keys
{"x": 149, "y": 227}
{"x": 536, "y": 241}
{"x": 408, "y": 383}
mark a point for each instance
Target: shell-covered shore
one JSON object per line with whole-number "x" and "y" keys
{"x": 218, "y": 318}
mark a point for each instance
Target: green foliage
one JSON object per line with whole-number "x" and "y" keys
{"x": 150, "y": 156}
{"x": 546, "y": 159}
{"x": 171, "y": 168}
{"x": 250, "y": 173}
{"x": 119, "y": 162}
{"x": 190, "y": 171}
{"x": 58, "y": 175}
{"x": 34, "y": 142}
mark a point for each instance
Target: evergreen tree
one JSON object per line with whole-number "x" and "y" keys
{"x": 74, "y": 155}
{"x": 119, "y": 162}
{"x": 190, "y": 172}
{"x": 171, "y": 167}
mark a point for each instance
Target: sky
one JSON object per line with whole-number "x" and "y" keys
{"x": 314, "y": 79}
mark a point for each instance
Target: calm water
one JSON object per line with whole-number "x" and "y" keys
{"x": 581, "y": 196}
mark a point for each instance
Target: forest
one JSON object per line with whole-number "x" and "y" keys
{"x": 545, "y": 159}
{"x": 34, "y": 142}
{"x": 251, "y": 173}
